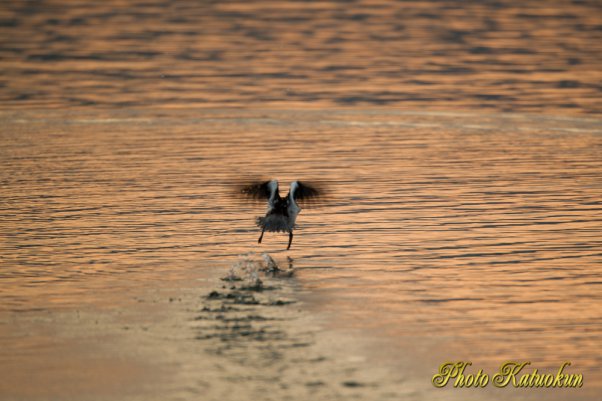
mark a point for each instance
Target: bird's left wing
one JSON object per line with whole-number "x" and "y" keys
{"x": 260, "y": 190}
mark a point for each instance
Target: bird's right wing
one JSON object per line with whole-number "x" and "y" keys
{"x": 308, "y": 194}
{"x": 306, "y": 191}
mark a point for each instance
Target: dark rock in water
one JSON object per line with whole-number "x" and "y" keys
{"x": 280, "y": 302}
{"x": 244, "y": 299}
{"x": 257, "y": 285}
{"x": 352, "y": 383}
{"x": 231, "y": 278}
{"x": 222, "y": 308}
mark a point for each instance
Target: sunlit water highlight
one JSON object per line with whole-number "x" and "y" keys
{"x": 449, "y": 235}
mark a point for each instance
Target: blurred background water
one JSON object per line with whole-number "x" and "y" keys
{"x": 456, "y": 231}
{"x": 528, "y": 56}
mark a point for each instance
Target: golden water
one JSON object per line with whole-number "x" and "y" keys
{"x": 465, "y": 234}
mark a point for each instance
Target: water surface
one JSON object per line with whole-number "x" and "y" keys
{"x": 527, "y": 56}
{"x": 460, "y": 144}
{"x": 447, "y": 236}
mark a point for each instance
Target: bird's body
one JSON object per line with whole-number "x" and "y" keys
{"x": 282, "y": 211}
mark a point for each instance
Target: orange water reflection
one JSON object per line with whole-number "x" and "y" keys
{"x": 478, "y": 236}
{"x": 451, "y": 235}
{"x": 529, "y": 56}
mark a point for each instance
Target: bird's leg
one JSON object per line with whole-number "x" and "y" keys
{"x": 261, "y": 236}
{"x": 290, "y": 240}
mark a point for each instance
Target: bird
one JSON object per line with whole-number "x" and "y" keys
{"x": 282, "y": 212}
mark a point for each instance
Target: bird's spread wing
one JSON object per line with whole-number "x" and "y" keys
{"x": 305, "y": 192}
{"x": 260, "y": 190}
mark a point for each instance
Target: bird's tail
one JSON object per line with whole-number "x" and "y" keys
{"x": 274, "y": 223}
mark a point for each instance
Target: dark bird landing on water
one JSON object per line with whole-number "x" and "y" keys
{"x": 282, "y": 212}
